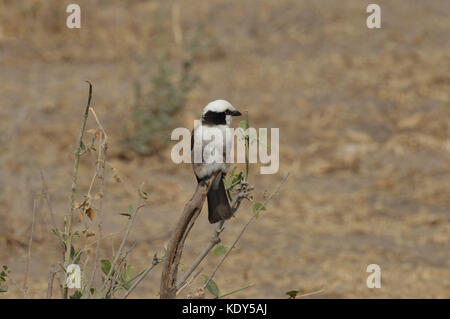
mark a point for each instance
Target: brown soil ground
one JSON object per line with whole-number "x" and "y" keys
{"x": 364, "y": 133}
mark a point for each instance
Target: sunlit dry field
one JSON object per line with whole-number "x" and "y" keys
{"x": 364, "y": 134}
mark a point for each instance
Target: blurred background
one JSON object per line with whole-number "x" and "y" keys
{"x": 364, "y": 133}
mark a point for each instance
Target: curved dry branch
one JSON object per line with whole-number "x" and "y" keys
{"x": 187, "y": 219}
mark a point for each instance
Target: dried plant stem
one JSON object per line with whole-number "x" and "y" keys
{"x": 50, "y": 208}
{"x": 51, "y": 278}
{"x": 244, "y": 229}
{"x": 30, "y": 242}
{"x": 176, "y": 26}
{"x": 68, "y": 228}
{"x": 100, "y": 174}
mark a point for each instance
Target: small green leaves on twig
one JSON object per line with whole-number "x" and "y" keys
{"x": 257, "y": 207}
{"x": 211, "y": 286}
{"x": 219, "y": 250}
{"x": 233, "y": 181}
{"x": 106, "y": 266}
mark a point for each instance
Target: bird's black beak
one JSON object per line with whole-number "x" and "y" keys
{"x": 236, "y": 113}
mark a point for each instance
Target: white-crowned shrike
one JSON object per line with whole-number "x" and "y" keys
{"x": 215, "y": 121}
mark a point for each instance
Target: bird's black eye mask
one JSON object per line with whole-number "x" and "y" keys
{"x": 214, "y": 118}
{"x": 218, "y": 118}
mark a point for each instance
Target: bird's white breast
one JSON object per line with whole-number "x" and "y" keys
{"x": 215, "y": 144}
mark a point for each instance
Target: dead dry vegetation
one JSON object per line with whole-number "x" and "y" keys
{"x": 364, "y": 133}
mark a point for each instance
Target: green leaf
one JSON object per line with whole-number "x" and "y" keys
{"x": 106, "y": 266}
{"x": 127, "y": 273}
{"x": 219, "y": 250}
{"x": 130, "y": 209}
{"x": 211, "y": 286}
{"x": 257, "y": 207}
{"x": 3, "y": 288}
{"x": 292, "y": 294}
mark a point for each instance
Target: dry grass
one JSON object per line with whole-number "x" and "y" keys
{"x": 363, "y": 117}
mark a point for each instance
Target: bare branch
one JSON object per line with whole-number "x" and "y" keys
{"x": 215, "y": 239}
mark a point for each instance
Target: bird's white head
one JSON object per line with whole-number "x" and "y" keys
{"x": 219, "y": 112}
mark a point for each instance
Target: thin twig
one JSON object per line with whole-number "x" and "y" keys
{"x": 311, "y": 293}
{"x": 190, "y": 281}
{"x": 51, "y": 278}
{"x": 96, "y": 242}
{"x": 122, "y": 244}
{"x": 155, "y": 262}
{"x": 117, "y": 273}
{"x": 24, "y": 293}
{"x": 30, "y": 242}
{"x": 244, "y": 229}
{"x": 49, "y": 205}
{"x": 234, "y": 291}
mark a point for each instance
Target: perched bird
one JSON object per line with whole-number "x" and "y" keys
{"x": 216, "y": 118}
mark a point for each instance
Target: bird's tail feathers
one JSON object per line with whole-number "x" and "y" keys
{"x": 218, "y": 205}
